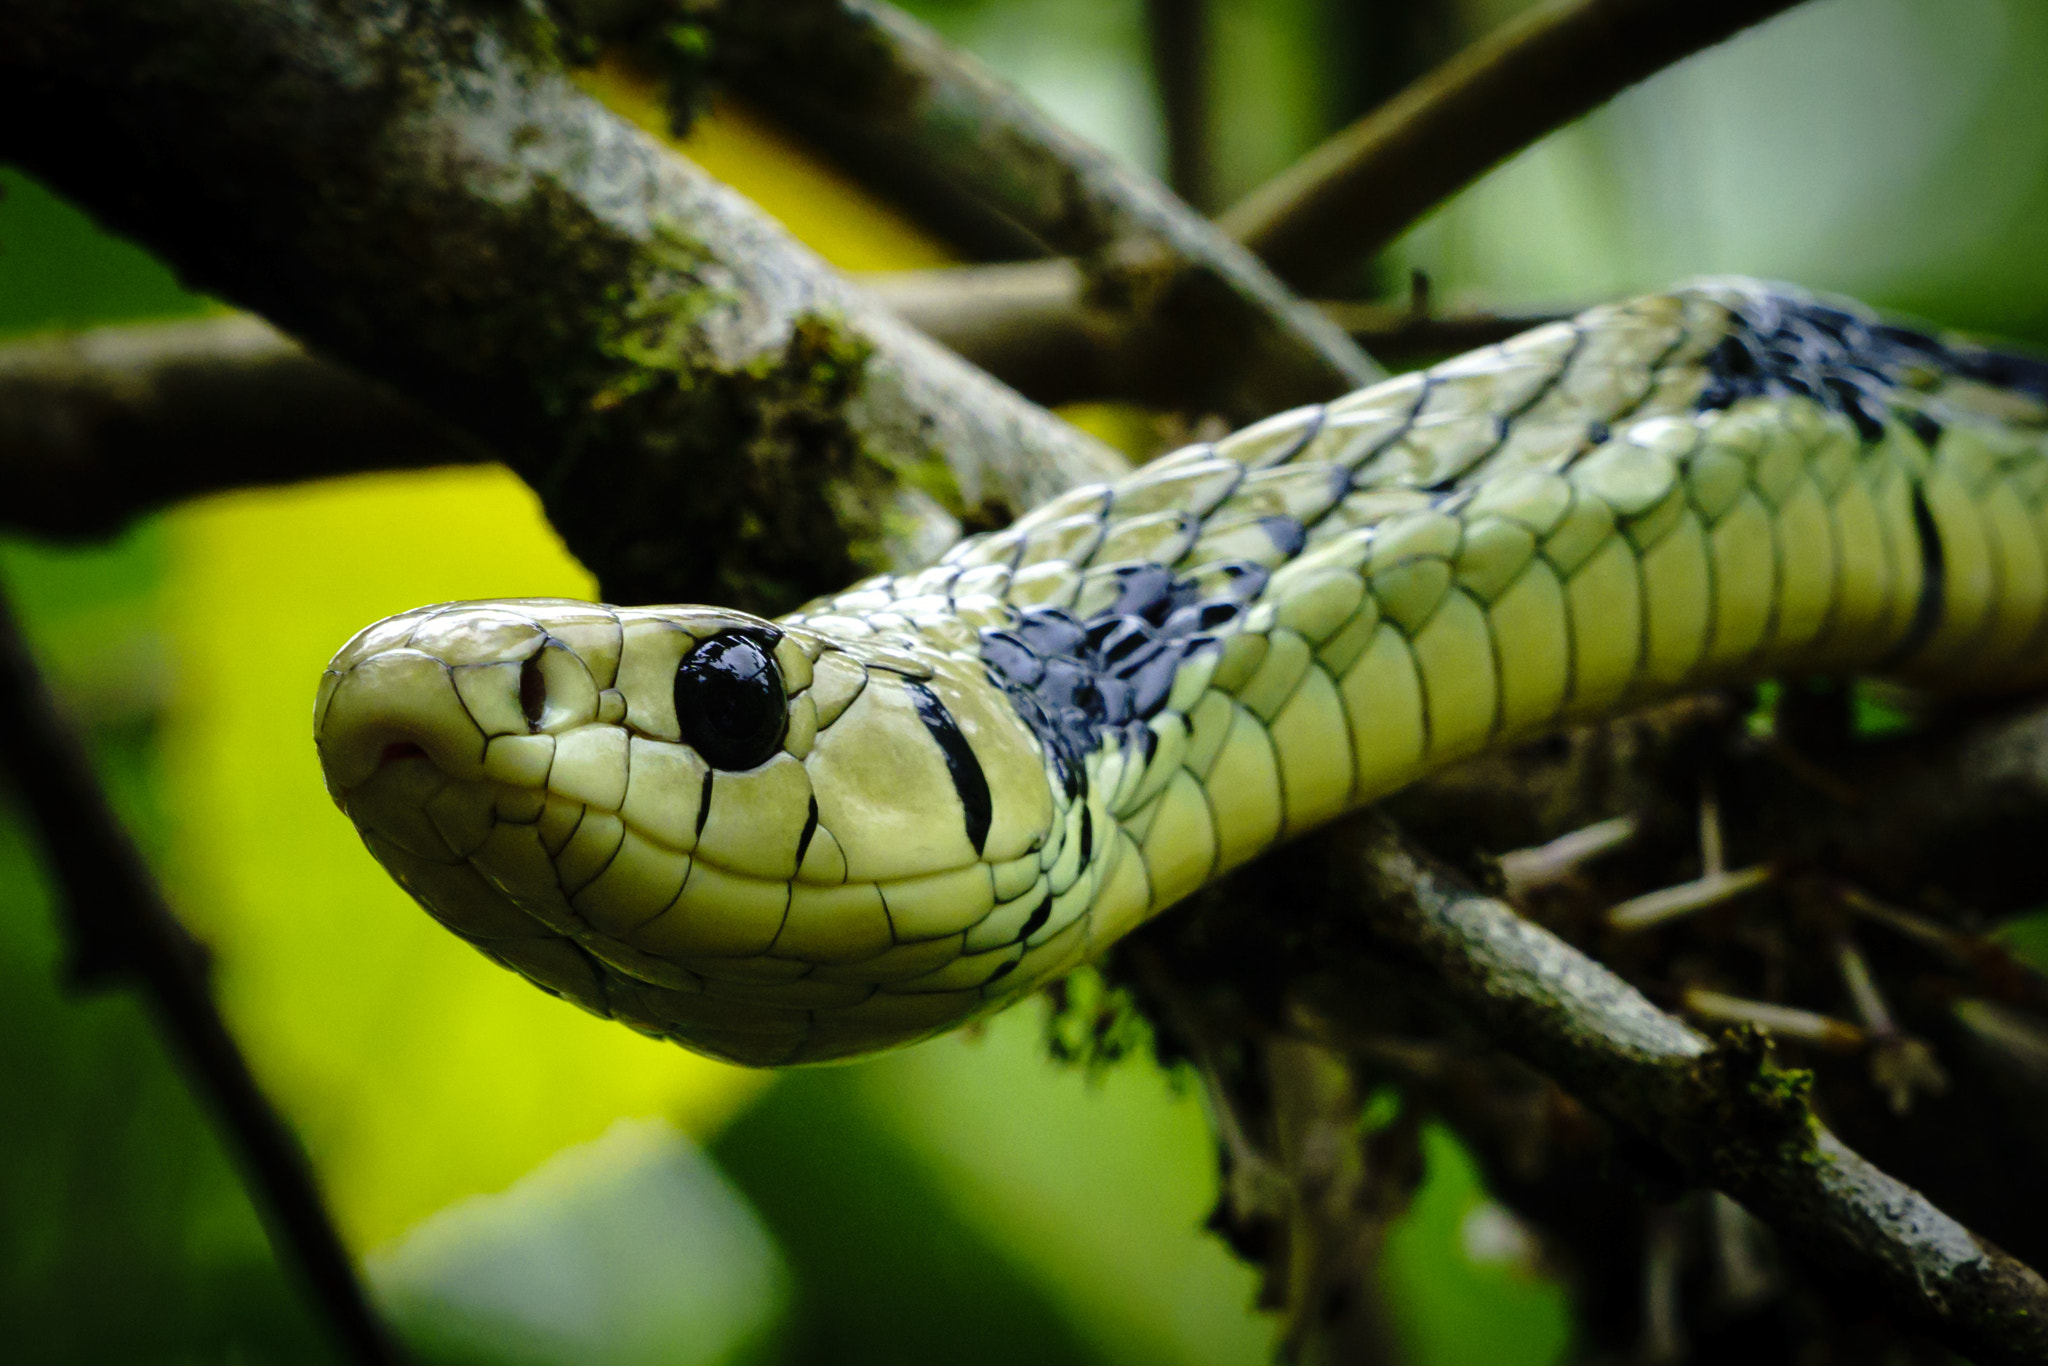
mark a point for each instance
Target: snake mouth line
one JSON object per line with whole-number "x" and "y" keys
{"x": 548, "y": 865}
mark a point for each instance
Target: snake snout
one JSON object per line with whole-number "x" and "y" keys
{"x": 390, "y": 707}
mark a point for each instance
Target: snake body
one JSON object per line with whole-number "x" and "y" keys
{"x": 919, "y": 800}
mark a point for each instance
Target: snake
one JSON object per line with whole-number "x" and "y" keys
{"x": 919, "y": 800}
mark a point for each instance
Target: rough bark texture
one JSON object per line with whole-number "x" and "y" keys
{"x": 99, "y": 427}
{"x": 425, "y": 195}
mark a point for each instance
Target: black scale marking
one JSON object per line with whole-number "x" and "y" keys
{"x": 803, "y": 841}
{"x": 1933, "y": 581}
{"x": 968, "y": 779}
{"x": 1074, "y": 681}
{"x": 1038, "y": 917}
{"x": 1850, "y": 361}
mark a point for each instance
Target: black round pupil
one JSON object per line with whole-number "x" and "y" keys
{"x": 729, "y": 702}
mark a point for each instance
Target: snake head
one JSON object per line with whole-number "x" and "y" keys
{"x": 765, "y": 842}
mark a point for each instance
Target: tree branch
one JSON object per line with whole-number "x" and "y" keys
{"x": 1726, "y": 1113}
{"x": 119, "y": 929}
{"x": 1278, "y": 952}
{"x": 423, "y": 193}
{"x": 1029, "y": 326}
{"x": 99, "y": 427}
{"x": 843, "y": 70}
{"x": 1360, "y": 190}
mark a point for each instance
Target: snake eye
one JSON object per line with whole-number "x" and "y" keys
{"x": 729, "y": 701}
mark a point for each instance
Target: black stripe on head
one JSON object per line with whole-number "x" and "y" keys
{"x": 968, "y": 779}
{"x": 803, "y": 841}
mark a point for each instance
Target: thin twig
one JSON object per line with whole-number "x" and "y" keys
{"x": 1364, "y": 187}
{"x": 1743, "y": 1279}
{"x": 1953, "y": 948}
{"x": 1663, "y": 1342}
{"x": 99, "y": 427}
{"x": 1900, "y": 1065}
{"x": 1524, "y": 870}
{"x": 1983, "y": 956}
{"x": 119, "y": 930}
{"x": 860, "y": 70}
{"x": 1725, "y": 1113}
{"x": 1788, "y": 1022}
{"x": 1862, "y": 987}
{"x": 1670, "y": 903}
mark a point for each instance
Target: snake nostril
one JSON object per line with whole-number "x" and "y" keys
{"x": 401, "y": 749}
{"x": 533, "y": 691}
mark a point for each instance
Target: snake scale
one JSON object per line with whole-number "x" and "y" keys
{"x": 919, "y": 800}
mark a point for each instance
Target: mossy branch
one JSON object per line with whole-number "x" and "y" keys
{"x": 1726, "y": 1113}
{"x": 420, "y": 191}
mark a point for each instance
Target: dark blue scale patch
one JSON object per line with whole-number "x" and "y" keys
{"x": 1074, "y": 681}
{"x": 1847, "y": 359}
{"x": 1287, "y": 535}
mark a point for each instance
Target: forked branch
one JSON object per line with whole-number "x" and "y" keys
{"x": 1365, "y": 186}
{"x": 860, "y": 71}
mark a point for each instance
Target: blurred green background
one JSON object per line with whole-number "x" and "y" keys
{"x": 529, "y": 1185}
